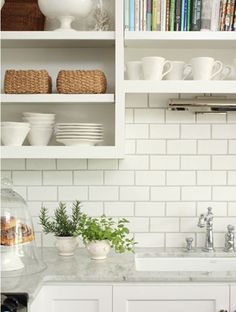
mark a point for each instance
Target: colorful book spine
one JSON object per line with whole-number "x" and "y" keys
{"x": 206, "y": 14}
{"x": 136, "y": 18}
{"x": 163, "y": 15}
{"x": 154, "y": 15}
{"x": 172, "y": 15}
{"x": 149, "y": 15}
{"x": 167, "y": 26}
{"x": 228, "y": 15}
{"x": 184, "y": 11}
{"x": 131, "y": 15}
{"x": 215, "y": 15}
{"x": 126, "y": 8}
{"x": 144, "y": 15}
{"x": 223, "y": 14}
{"x": 196, "y": 15}
{"x": 189, "y": 15}
{"x": 234, "y": 22}
{"x": 140, "y": 15}
{"x": 233, "y": 7}
{"x": 178, "y": 15}
{"x": 159, "y": 15}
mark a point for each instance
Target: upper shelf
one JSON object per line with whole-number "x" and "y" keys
{"x": 57, "y": 98}
{"x": 181, "y": 40}
{"x": 57, "y": 39}
{"x": 173, "y": 86}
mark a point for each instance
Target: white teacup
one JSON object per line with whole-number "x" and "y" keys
{"x": 225, "y": 73}
{"x": 134, "y": 70}
{"x": 153, "y": 67}
{"x": 180, "y": 71}
{"x": 205, "y": 68}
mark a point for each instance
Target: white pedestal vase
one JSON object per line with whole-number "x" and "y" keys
{"x": 98, "y": 250}
{"x": 66, "y": 245}
{"x": 66, "y": 11}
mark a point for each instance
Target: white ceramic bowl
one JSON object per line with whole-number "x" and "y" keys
{"x": 14, "y": 135}
{"x": 27, "y": 114}
{"x": 65, "y": 10}
{"x": 14, "y": 124}
{"x": 40, "y": 136}
{"x": 38, "y": 119}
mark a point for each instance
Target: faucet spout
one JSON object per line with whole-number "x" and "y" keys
{"x": 206, "y": 220}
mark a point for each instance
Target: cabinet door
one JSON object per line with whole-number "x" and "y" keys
{"x": 74, "y": 298}
{"x": 233, "y": 298}
{"x": 174, "y": 298}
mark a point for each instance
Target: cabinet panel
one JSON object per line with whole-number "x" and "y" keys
{"x": 74, "y": 298}
{"x": 181, "y": 298}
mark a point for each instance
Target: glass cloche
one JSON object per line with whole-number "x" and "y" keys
{"x": 19, "y": 254}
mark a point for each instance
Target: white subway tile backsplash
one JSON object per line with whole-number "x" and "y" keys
{"x": 136, "y": 100}
{"x": 219, "y": 208}
{"x": 195, "y": 131}
{"x": 224, "y": 162}
{"x": 178, "y": 240}
{"x": 178, "y": 209}
{"x": 40, "y": 164}
{"x": 212, "y": 147}
{"x": 12, "y": 164}
{"x": 133, "y": 162}
{"x": 232, "y": 146}
{"x": 72, "y": 193}
{"x": 103, "y": 193}
{"x": 211, "y": 177}
{"x": 211, "y": 118}
{"x": 196, "y": 193}
{"x": 130, "y": 147}
{"x": 129, "y": 115}
{"x": 119, "y": 209}
{"x": 164, "y": 131}
{"x": 232, "y": 209}
{"x": 92, "y": 208}
{"x": 179, "y": 117}
{"x": 150, "y": 239}
{"x": 165, "y": 193}
{"x": 151, "y": 147}
{"x": 195, "y": 162}
{"x": 57, "y": 178}
{"x": 149, "y": 209}
{"x": 181, "y": 147}
{"x": 42, "y": 193}
{"x": 224, "y": 131}
{"x": 71, "y": 164}
{"x": 220, "y": 224}
{"x": 6, "y": 175}
{"x": 134, "y": 193}
{"x": 27, "y": 177}
{"x": 181, "y": 178}
{"x": 219, "y": 240}
{"x": 224, "y": 193}
{"x": 231, "y": 117}
{"x": 164, "y": 162}
{"x": 149, "y": 115}
{"x": 88, "y": 177}
{"x": 136, "y": 131}
{"x": 164, "y": 224}
{"x": 119, "y": 177}
{"x": 138, "y": 224}
{"x": 188, "y": 225}
{"x": 150, "y": 177}
{"x": 100, "y": 164}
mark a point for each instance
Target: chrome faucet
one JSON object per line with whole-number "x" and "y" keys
{"x": 206, "y": 220}
{"x": 230, "y": 239}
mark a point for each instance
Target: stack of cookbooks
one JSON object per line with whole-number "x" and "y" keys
{"x": 180, "y": 15}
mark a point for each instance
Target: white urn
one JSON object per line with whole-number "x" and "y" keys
{"x": 98, "y": 250}
{"x": 66, "y": 245}
{"x": 66, "y": 11}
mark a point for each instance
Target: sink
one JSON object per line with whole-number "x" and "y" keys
{"x": 184, "y": 264}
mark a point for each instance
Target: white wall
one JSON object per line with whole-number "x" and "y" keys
{"x": 177, "y": 164}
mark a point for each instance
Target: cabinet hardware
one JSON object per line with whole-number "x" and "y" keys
{"x": 224, "y": 311}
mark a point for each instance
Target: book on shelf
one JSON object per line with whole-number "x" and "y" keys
{"x": 180, "y": 15}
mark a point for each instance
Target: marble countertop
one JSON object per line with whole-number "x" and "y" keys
{"x": 117, "y": 268}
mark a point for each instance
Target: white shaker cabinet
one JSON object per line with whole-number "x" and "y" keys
{"x": 73, "y": 298}
{"x": 233, "y": 298}
{"x": 171, "y": 298}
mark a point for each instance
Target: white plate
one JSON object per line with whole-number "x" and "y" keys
{"x": 79, "y": 124}
{"x": 79, "y": 133}
{"x": 79, "y": 128}
{"x": 78, "y": 142}
{"x": 79, "y": 137}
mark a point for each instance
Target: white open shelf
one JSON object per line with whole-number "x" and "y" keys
{"x": 57, "y": 39}
{"x": 61, "y": 152}
{"x": 173, "y": 86}
{"x": 57, "y": 98}
{"x": 180, "y": 40}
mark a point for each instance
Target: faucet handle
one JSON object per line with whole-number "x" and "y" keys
{"x": 189, "y": 241}
{"x": 230, "y": 228}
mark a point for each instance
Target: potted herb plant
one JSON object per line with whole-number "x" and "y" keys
{"x": 101, "y": 234}
{"x": 63, "y": 226}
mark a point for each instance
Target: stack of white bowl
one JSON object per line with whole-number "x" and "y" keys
{"x": 79, "y": 133}
{"x": 42, "y": 127}
{"x": 14, "y": 133}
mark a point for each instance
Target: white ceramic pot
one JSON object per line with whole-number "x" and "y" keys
{"x": 14, "y": 135}
{"x": 98, "y": 250}
{"x": 66, "y": 11}
{"x": 40, "y": 136}
{"x": 66, "y": 245}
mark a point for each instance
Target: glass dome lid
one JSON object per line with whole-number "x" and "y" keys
{"x": 19, "y": 254}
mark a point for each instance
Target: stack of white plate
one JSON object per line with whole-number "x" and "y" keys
{"x": 79, "y": 133}
{"x": 42, "y": 126}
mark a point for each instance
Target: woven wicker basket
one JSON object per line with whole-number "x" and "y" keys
{"x": 81, "y": 81}
{"x": 27, "y": 82}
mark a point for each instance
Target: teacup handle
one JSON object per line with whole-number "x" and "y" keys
{"x": 168, "y": 70}
{"x": 189, "y": 71}
{"x": 219, "y": 70}
{"x": 228, "y": 73}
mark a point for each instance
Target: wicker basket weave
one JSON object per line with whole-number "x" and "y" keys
{"x": 81, "y": 81}
{"x": 27, "y": 82}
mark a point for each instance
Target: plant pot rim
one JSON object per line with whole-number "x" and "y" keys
{"x": 63, "y": 237}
